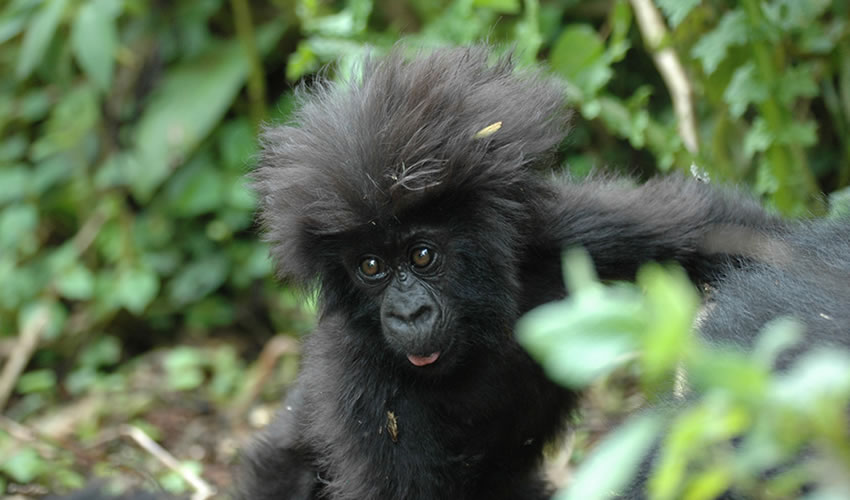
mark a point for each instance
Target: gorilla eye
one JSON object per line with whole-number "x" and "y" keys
{"x": 421, "y": 257}
{"x": 371, "y": 267}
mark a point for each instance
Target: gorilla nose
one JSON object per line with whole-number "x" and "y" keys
{"x": 411, "y": 317}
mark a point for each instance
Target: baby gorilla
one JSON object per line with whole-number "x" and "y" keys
{"x": 412, "y": 198}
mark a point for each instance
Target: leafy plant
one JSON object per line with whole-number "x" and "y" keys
{"x": 790, "y": 427}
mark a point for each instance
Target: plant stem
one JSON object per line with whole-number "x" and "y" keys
{"x": 256, "y": 77}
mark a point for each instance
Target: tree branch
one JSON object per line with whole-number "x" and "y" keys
{"x": 653, "y": 31}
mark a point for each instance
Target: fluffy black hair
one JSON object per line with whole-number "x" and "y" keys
{"x": 405, "y": 134}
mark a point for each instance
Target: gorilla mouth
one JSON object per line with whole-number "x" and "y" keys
{"x": 423, "y": 360}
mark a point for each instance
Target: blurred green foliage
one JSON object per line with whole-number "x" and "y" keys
{"x": 791, "y": 427}
{"x": 127, "y": 128}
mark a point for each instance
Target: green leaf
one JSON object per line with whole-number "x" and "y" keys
{"x": 341, "y": 24}
{"x": 758, "y": 138}
{"x": 76, "y": 283}
{"x": 615, "y": 461}
{"x": 17, "y": 226}
{"x": 301, "y": 62}
{"x": 687, "y": 438}
{"x": 210, "y": 312}
{"x": 673, "y": 303}
{"x": 199, "y": 278}
{"x": 10, "y": 27}
{"x": 56, "y": 316}
{"x": 588, "y": 335}
{"x": 711, "y": 49}
{"x": 36, "y": 381}
{"x": 778, "y": 336}
{"x": 117, "y": 170}
{"x": 197, "y": 188}
{"x": 677, "y": 10}
{"x": 154, "y": 229}
{"x": 14, "y": 182}
{"x": 460, "y": 23}
{"x": 240, "y": 196}
{"x": 13, "y": 148}
{"x": 104, "y": 351}
{"x": 136, "y": 288}
{"x": 184, "y": 368}
{"x": 237, "y": 143}
{"x": 621, "y": 23}
{"x": 23, "y": 466}
{"x": 730, "y": 372}
{"x": 501, "y": 6}
{"x": 111, "y": 244}
{"x": 38, "y": 36}
{"x": 71, "y": 120}
{"x": 188, "y": 103}
{"x": 821, "y": 38}
{"x": 791, "y": 14}
{"x": 527, "y": 33}
{"x": 766, "y": 180}
{"x": 798, "y": 81}
{"x": 709, "y": 483}
{"x": 23, "y": 282}
{"x": 94, "y": 40}
{"x": 251, "y": 262}
{"x": 817, "y": 375}
{"x": 579, "y": 55}
{"x": 34, "y": 105}
{"x": 745, "y": 88}
{"x": 794, "y": 132}
{"x": 50, "y": 172}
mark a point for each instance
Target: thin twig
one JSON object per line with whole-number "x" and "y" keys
{"x": 89, "y": 231}
{"x": 24, "y": 434}
{"x": 653, "y": 30}
{"x": 202, "y": 489}
{"x": 21, "y": 353}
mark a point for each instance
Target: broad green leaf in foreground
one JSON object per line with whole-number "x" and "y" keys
{"x": 613, "y": 463}
{"x": 590, "y": 333}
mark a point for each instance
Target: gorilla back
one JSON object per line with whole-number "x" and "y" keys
{"x": 412, "y": 197}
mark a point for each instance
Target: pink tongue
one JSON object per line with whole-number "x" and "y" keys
{"x": 423, "y": 360}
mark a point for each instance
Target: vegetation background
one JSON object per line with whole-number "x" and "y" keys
{"x": 133, "y": 285}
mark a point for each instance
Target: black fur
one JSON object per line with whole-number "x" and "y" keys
{"x": 373, "y": 166}
{"x": 803, "y": 272}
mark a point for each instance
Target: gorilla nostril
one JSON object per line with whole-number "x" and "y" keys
{"x": 423, "y": 313}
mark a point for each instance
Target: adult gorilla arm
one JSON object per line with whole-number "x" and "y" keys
{"x": 671, "y": 218}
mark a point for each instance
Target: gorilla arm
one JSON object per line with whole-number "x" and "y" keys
{"x": 670, "y": 218}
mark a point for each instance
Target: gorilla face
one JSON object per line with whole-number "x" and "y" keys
{"x": 437, "y": 295}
